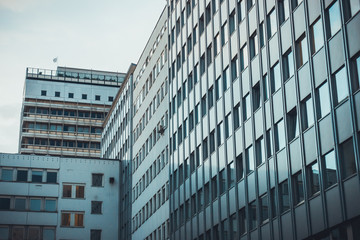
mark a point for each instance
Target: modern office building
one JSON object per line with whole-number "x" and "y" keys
{"x": 264, "y": 119}
{"x": 117, "y": 144}
{"x": 64, "y": 109}
{"x": 43, "y": 197}
{"x": 150, "y": 171}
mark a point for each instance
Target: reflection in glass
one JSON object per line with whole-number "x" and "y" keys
{"x": 330, "y": 169}
{"x": 341, "y": 83}
{"x": 334, "y": 18}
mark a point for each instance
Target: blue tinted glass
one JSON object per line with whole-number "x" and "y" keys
{"x": 335, "y": 18}
{"x": 341, "y": 85}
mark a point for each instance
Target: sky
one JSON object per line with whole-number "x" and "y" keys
{"x": 103, "y": 35}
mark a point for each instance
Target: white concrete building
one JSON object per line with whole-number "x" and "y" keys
{"x": 44, "y": 197}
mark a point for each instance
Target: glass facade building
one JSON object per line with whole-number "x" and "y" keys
{"x": 264, "y": 119}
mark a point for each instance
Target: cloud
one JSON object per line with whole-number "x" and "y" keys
{"x": 17, "y": 5}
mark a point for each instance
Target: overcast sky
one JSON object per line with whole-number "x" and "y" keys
{"x": 102, "y": 35}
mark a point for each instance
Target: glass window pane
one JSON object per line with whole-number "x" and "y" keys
{"x": 79, "y": 220}
{"x": 4, "y": 203}
{"x": 36, "y": 176}
{"x": 347, "y": 158}
{"x": 67, "y": 191}
{"x": 35, "y": 204}
{"x": 48, "y": 234}
{"x": 317, "y": 36}
{"x": 51, "y": 177}
{"x": 324, "y": 100}
{"x": 341, "y": 84}
{"x": 21, "y": 175}
{"x": 252, "y": 220}
{"x": 7, "y": 175}
{"x": 298, "y": 188}
{"x": 249, "y": 155}
{"x": 330, "y": 169}
{"x": 279, "y": 135}
{"x": 314, "y": 186}
{"x": 50, "y": 205}
{"x": 275, "y": 78}
{"x": 20, "y": 204}
{"x": 334, "y": 18}
{"x": 65, "y": 219}
{"x": 4, "y": 233}
{"x": 284, "y": 196}
{"x": 264, "y": 208}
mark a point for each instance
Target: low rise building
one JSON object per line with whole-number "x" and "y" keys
{"x": 43, "y": 197}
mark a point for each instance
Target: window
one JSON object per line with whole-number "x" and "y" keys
{"x": 284, "y": 196}
{"x": 260, "y": 151}
{"x": 208, "y": 14}
{"x": 50, "y": 205}
{"x": 264, "y": 208}
{"x": 249, "y": 157}
{"x": 20, "y": 204}
{"x": 57, "y": 94}
{"x": 236, "y": 112}
{"x": 197, "y": 113}
{"x": 228, "y": 129}
{"x": 83, "y": 96}
{"x": 97, "y": 97}
{"x": 296, "y": 3}
{"x": 241, "y": 10}
{"x": 316, "y": 36}
{"x": 4, "y": 203}
{"x": 355, "y": 71}
{"x": 239, "y": 168}
{"x": 252, "y": 216}
{"x": 203, "y": 106}
{"x": 225, "y": 79}
{"x": 283, "y": 10}
{"x": 231, "y": 174}
{"x": 271, "y": 23}
{"x": 71, "y": 95}
{"x": 217, "y": 89}
{"x": 254, "y": 46}
{"x": 330, "y": 169}
{"x": 217, "y": 45}
{"x": 313, "y": 178}
{"x": 242, "y": 221}
{"x": 208, "y": 55}
{"x": 266, "y": 91}
{"x": 51, "y": 177}
{"x": 97, "y": 180}
{"x": 273, "y": 203}
{"x": 22, "y": 176}
{"x": 323, "y": 100}
{"x": 279, "y": 135}
{"x": 222, "y": 180}
{"x": 341, "y": 85}
{"x": 224, "y": 34}
{"x": 219, "y": 136}
{"x": 288, "y": 61}
{"x": 111, "y": 98}
{"x": 202, "y": 64}
{"x": 36, "y": 176}
{"x": 256, "y": 96}
{"x": 261, "y": 34}
{"x": 246, "y": 107}
{"x": 35, "y": 204}
{"x": 79, "y": 220}
{"x": 234, "y": 68}
{"x": 233, "y": 227}
{"x": 292, "y": 124}
{"x": 212, "y": 142}
{"x": 243, "y": 58}
{"x": 298, "y": 188}
{"x": 96, "y": 207}
{"x": 95, "y": 234}
{"x": 307, "y": 113}
{"x": 269, "y": 143}
{"x": 66, "y": 191}
{"x": 43, "y": 93}
{"x": 211, "y": 97}
{"x": 213, "y": 188}
{"x": 205, "y": 149}
{"x": 65, "y": 219}
{"x": 347, "y": 158}
{"x": 334, "y": 19}
{"x": 232, "y": 22}
{"x": 354, "y": 6}
{"x": 201, "y": 25}
{"x": 6, "y": 174}
{"x": 301, "y": 51}
{"x": 275, "y": 77}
